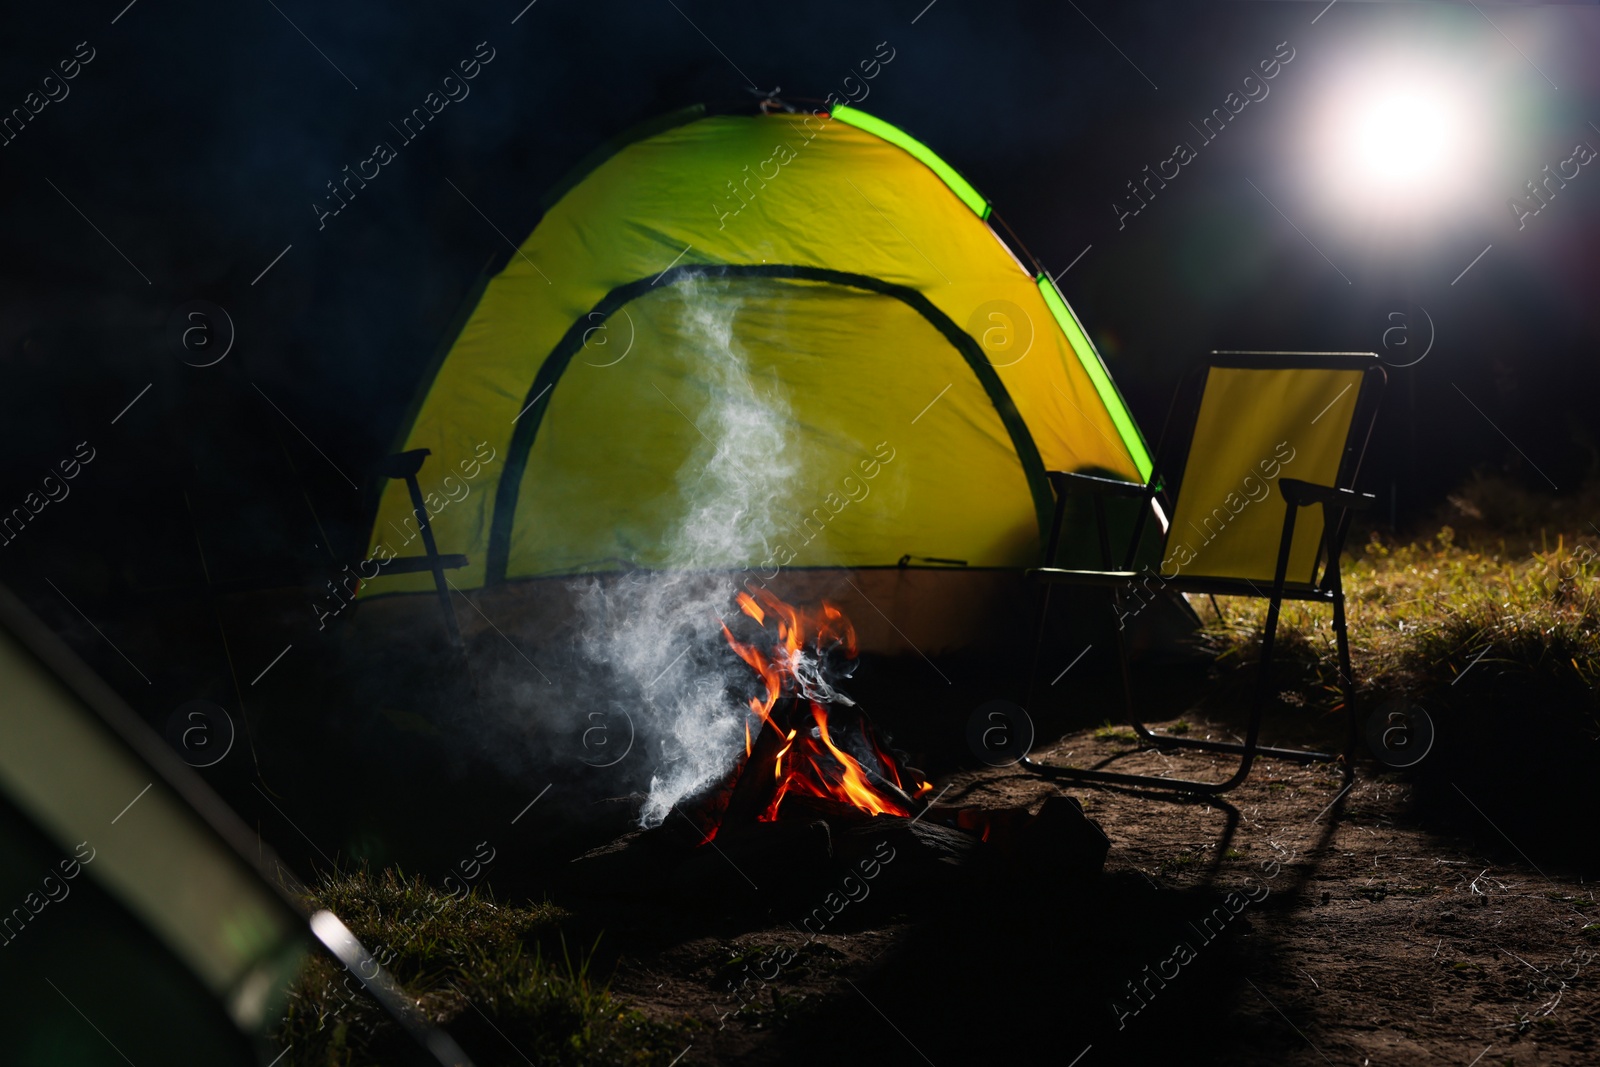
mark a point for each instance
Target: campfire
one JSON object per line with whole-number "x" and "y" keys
{"x": 819, "y": 794}
{"x": 808, "y": 748}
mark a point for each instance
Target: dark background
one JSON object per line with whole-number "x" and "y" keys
{"x": 200, "y": 136}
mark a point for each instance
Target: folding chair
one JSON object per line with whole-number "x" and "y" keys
{"x": 405, "y": 465}
{"x": 1299, "y": 421}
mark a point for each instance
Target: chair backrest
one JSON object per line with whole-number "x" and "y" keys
{"x": 1256, "y": 417}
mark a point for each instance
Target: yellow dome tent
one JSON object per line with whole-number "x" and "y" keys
{"x": 807, "y": 317}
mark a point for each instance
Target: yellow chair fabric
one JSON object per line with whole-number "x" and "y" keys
{"x": 1254, "y": 427}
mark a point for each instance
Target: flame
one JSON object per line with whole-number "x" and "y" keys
{"x": 811, "y": 762}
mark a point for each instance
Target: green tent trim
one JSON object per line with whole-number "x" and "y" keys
{"x": 1095, "y": 368}
{"x": 896, "y": 136}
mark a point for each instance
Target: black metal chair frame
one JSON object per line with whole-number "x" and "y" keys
{"x": 1338, "y": 503}
{"x": 405, "y": 465}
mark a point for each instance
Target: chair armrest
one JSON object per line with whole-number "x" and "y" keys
{"x": 1109, "y": 486}
{"x": 1063, "y": 481}
{"x": 1303, "y": 494}
{"x": 1061, "y": 575}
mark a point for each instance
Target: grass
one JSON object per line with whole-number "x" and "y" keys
{"x": 498, "y": 975}
{"x": 1120, "y": 734}
{"x": 1504, "y": 604}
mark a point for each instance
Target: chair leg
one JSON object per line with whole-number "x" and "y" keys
{"x": 1167, "y": 741}
{"x": 1346, "y": 681}
{"x": 1336, "y": 531}
{"x": 1038, "y": 648}
{"x": 1249, "y": 750}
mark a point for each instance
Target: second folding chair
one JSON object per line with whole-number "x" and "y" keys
{"x": 1257, "y": 437}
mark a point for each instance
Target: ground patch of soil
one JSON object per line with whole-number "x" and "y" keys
{"x": 1319, "y": 922}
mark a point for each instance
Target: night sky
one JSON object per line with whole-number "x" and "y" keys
{"x": 187, "y": 159}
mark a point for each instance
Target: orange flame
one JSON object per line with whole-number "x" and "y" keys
{"x": 810, "y": 763}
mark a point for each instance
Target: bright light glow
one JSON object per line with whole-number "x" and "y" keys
{"x": 1394, "y": 147}
{"x": 1403, "y": 136}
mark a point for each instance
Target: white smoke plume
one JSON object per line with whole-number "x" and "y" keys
{"x": 658, "y": 632}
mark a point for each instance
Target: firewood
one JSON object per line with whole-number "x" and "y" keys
{"x": 1060, "y": 844}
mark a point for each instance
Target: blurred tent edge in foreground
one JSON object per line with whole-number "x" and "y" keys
{"x": 137, "y": 923}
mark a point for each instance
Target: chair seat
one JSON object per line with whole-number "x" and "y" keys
{"x": 1182, "y": 583}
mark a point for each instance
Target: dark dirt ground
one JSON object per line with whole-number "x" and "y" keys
{"x": 1372, "y": 939}
{"x": 1440, "y": 915}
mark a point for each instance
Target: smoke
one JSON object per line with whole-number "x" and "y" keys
{"x": 658, "y": 633}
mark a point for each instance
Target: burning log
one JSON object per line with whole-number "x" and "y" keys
{"x": 753, "y": 786}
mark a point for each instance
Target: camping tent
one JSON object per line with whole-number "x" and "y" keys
{"x": 800, "y": 327}
{"x": 136, "y": 923}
